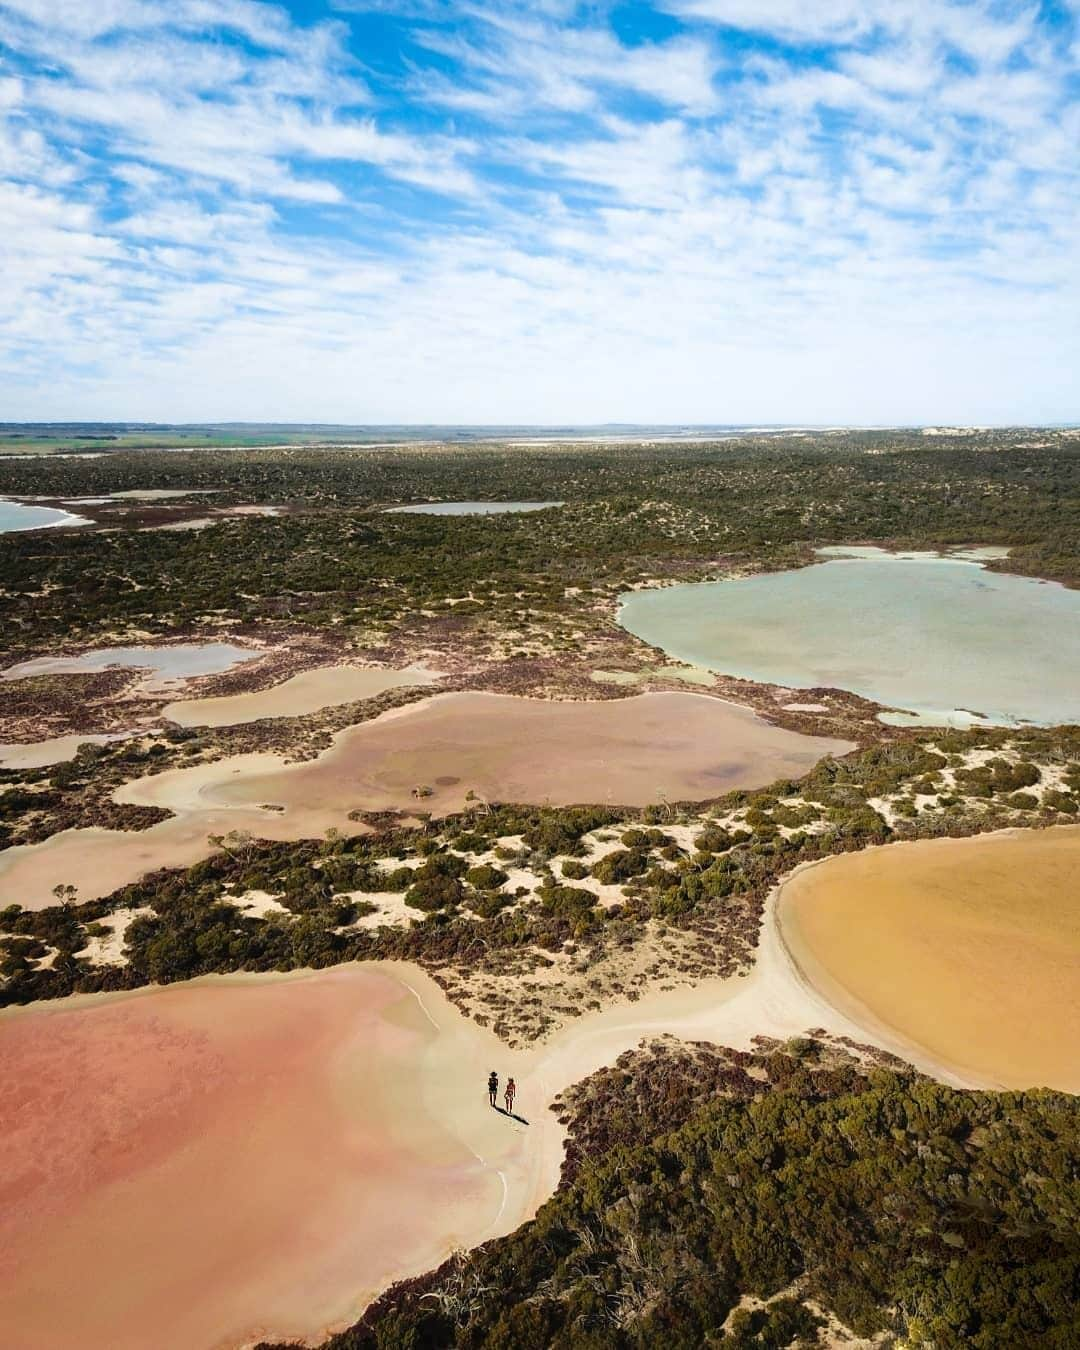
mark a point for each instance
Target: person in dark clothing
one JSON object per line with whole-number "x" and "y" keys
{"x": 493, "y": 1086}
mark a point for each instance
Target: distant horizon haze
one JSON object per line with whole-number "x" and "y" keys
{"x": 504, "y": 430}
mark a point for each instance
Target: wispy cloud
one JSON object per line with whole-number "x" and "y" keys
{"x": 423, "y": 210}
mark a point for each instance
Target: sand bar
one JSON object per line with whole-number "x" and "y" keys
{"x": 674, "y": 746}
{"x": 967, "y": 950}
{"x": 308, "y": 692}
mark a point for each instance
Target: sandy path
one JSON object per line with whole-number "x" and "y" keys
{"x": 308, "y": 692}
{"x": 632, "y": 751}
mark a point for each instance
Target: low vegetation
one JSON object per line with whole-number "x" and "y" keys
{"x": 501, "y": 891}
{"x": 633, "y": 513}
{"x": 712, "y": 1197}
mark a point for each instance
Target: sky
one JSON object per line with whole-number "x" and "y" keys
{"x": 685, "y": 211}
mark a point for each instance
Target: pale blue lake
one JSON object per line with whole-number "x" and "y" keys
{"x": 15, "y": 516}
{"x": 176, "y": 662}
{"x": 940, "y": 638}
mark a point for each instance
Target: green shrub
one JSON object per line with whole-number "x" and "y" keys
{"x": 485, "y": 877}
{"x": 567, "y": 902}
{"x": 620, "y": 866}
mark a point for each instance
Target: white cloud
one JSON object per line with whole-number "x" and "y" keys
{"x": 801, "y": 20}
{"x": 167, "y": 96}
{"x": 192, "y": 227}
{"x": 519, "y": 63}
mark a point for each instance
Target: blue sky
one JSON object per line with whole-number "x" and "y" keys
{"x": 822, "y": 211}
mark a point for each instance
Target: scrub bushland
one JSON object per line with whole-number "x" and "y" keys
{"x": 632, "y": 513}
{"x": 453, "y": 873}
{"x": 714, "y": 1197}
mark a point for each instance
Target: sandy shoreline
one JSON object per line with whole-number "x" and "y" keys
{"x": 638, "y": 751}
{"x": 434, "y": 1092}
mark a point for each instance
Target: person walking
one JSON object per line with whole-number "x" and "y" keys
{"x": 508, "y": 1096}
{"x": 493, "y": 1086}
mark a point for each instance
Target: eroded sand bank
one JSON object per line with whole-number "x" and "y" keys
{"x": 968, "y": 949}
{"x": 502, "y": 748}
{"x": 308, "y": 692}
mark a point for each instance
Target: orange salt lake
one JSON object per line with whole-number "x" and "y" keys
{"x": 967, "y": 949}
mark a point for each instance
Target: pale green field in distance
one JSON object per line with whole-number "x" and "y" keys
{"x": 53, "y": 440}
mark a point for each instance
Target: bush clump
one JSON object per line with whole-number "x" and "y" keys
{"x": 620, "y": 866}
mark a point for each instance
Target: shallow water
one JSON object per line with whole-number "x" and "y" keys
{"x": 471, "y": 508}
{"x": 224, "y": 1160}
{"x": 933, "y": 636}
{"x": 638, "y": 751}
{"x": 14, "y": 516}
{"x": 968, "y": 948}
{"x": 178, "y": 662}
{"x": 55, "y": 750}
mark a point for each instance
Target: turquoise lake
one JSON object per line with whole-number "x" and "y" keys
{"x": 15, "y": 516}
{"x": 937, "y": 637}
{"x": 176, "y": 662}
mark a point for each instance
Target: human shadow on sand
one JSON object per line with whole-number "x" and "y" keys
{"x": 520, "y": 1119}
